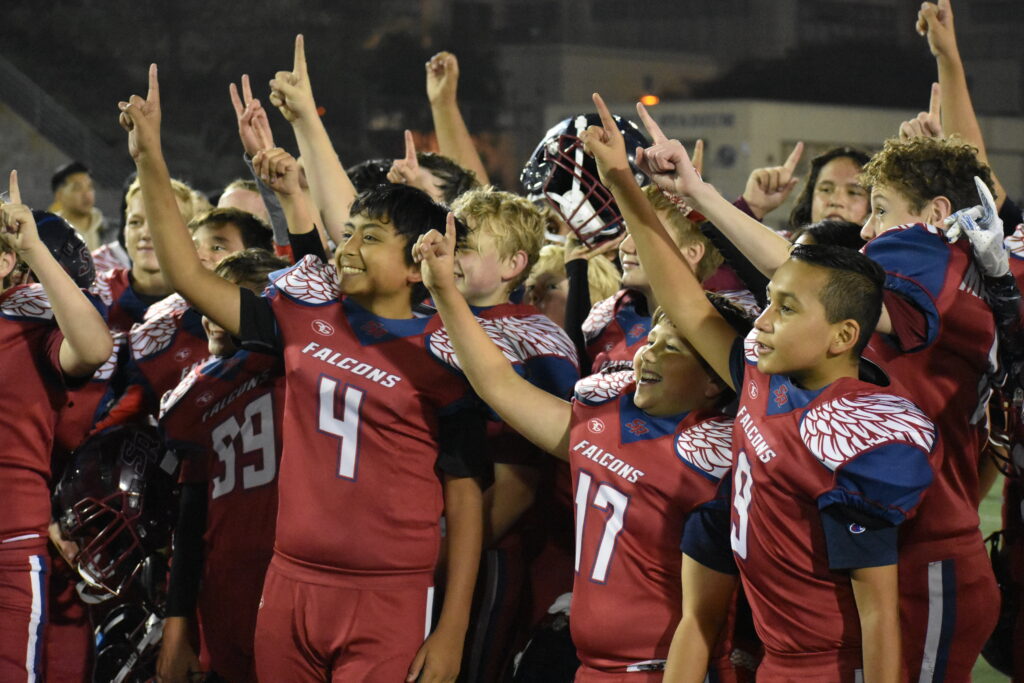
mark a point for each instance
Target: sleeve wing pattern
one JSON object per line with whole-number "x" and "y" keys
{"x": 600, "y": 315}
{"x": 707, "y": 447}
{"x": 28, "y": 303}
{"x": 153, "y": 336}
{"x": 310, "y": 282}
{"x": 841, "y": 429}
{"x": 596, "y": 389}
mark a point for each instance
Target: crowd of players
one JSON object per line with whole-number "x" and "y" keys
{"x": 231, "y": 455}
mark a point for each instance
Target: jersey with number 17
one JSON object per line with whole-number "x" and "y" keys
{"x": 360, "y": 493}
{"x": 636, "y": 478}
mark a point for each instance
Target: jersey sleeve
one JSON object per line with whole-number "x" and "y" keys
{"x": 916, "y": 260}
{"x": 739, "y": 356}
{"x": 257, "y": 324}
{"x": 878, "y": 448}
{"x": 706, "y": 532}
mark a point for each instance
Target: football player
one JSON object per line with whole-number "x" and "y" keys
{"x": 814, "y": 528}
{"x": 224, "y": 421}
{"x": 52, "y": 336}
{"x": 373, "y": 418}
{"x": 646, "y": 447}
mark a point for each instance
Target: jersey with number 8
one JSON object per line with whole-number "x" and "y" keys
{"x": 636, "y": 478}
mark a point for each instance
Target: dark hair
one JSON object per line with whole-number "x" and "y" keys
{"x": 801, "y": 213}
{"x": 922, "y": 169}
{"x": 62, "y": 173}
{"x": 737, "y": 318}
{"x": 370, "y": 173}
{"x": 454, "y": 179}
{"x": 854, "y": 287}
{"x": 832, "y": 232}
{"x": 412, "y": 213}
{"x": 254, "y": 232}
{"x": 249, "y": 265}
{"x": 128, "y": 182}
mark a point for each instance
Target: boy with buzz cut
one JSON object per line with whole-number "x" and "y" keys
{"x": 827, "y": 462}
{"x": 376, "y": 440}
{"x": 506, "y": 233}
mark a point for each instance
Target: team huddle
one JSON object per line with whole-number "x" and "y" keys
{"x": 304, "y": 435}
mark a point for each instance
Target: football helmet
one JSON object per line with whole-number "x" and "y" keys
{"x": 560, "y": 172}
{"x": 67, "y": 246}
{"x": 116, "y": 500}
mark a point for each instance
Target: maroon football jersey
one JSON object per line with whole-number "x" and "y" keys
{"x": 360, "y": 497}
{"x": 797, "y": 452}
{"x": 124, "y": 306}
{"x": 614, "y": 330}
{"x": 32, "y": 394}
{"x": 635, "y": 478}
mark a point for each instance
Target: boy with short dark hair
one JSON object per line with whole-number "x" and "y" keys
{"x": 807, "y": 474}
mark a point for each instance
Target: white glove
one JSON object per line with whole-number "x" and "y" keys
{"x": 983, "y": 227}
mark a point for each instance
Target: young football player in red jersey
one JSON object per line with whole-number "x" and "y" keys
{"x": 646, "y": 447}
{"x": 224, "y": 421}
{"x": 50, "y": 333}
{"x": 348, "y": 591}
{"x": 827, "y": 464}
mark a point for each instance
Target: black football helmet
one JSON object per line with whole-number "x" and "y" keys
{"x": 67, "y": 247}
{"x": 116, "y": 500}
{"x": 563, "y": 174}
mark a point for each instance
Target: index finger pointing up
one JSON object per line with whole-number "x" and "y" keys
{"x": 794, "y": 157}
{"x": 649, "y": 123}
{"x": 15, "y": 192}
{"x": 154, "y": 85}
{"x": 410, "y": 147}
{"x": 300, "y": 55}
{"x": 935, "y": 104}
{"x": 607, "y": 120}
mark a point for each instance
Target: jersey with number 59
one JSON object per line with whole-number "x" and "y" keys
{"x": 821, "y": 480}
{"x": 635, "y": 479}
{"x": 360, "y": 492}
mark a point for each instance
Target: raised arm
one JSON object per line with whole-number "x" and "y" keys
{"x": 675, "y": 287}
{"x": 935, "y": 22}
{"x": 87, "y": 343}
{"x": 330, "y": 186}
{"x": 214, "y": 296}
{"x": 539, "y": 416}
{"x": 768, "y": 188}
{"x": 453, "y": 139}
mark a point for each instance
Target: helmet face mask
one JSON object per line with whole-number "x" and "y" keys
{"x": 116, "y": 502}
{"x": 566, "y": 177}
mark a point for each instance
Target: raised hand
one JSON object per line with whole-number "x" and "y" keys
{"x": 767, "y": 188}
{"x": 935, "y": 22}
{"x": 667, "y": 163}
{"x": 442, "y": 78}
{"x": 407, "y": 171}
{"x": 253, "y": 125}
{"x": 17, "y": 226}
{"x": 141, "y": 118}
{"x": 574, "y": 249}
{"x": 436, "y": 255}
{"x": 290, "y": 91}
{"x": 927, "y": 124}
{"x": 278, "y": 170}
{"x": 606, "y": 144}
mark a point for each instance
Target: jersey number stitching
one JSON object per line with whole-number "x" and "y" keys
{"x": 743, "y": 485}
{"x": 344, "y": 428}
{"x": 606, "y": 496}
{"x": 225, "y": 440}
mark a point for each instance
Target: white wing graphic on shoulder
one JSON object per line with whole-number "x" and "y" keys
{"x": 602, "y": 387}
{"x": 750, "y": 346}
{"x": 310, "y": 281}
{"x": 175, "y": 395}
{"x": 534, "y": 336}
{"x": 440, "y": 344}
{"x": 101, "y": 286}
{"x": 173, "y": 303}
{"x": 153, "y": 336}
{"x": 28, "y": 302}
{"x": 707, "y": 446}
{"x": 600, "y": 315}
{"x": 843, "y": 428}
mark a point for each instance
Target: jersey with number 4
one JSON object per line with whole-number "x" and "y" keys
{"x": 635, "y": 478}
{"x": 360, "y": 495}
{"x": 798, "y": 452}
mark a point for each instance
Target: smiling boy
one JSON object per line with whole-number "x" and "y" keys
{"x": 813, "y": 529}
